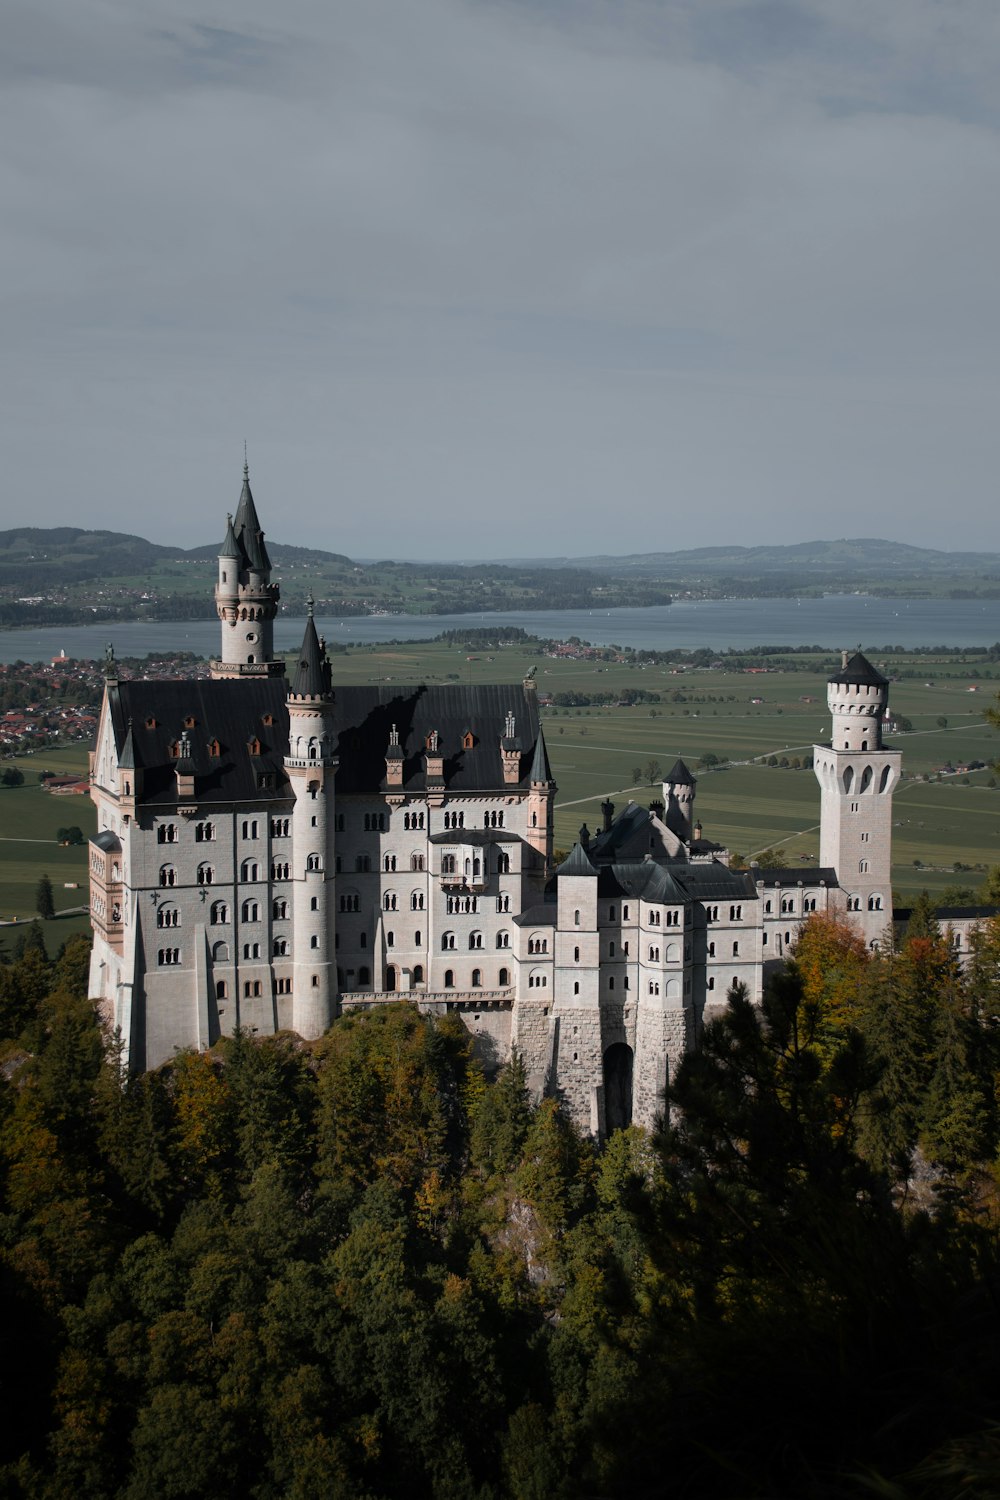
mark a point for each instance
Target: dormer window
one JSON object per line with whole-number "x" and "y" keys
{"x": 468, "y": 740}
{"x": 190, "y": 721}
{"x": 214, "y": 749}
{"x": 151, "y": 722}
{"x": 432, "y": 742}
{"x": 267, "y": 719}
{"x": 175, "y": 750}
{"x": 253, "y": 745}
{"x": 265, "y": 781}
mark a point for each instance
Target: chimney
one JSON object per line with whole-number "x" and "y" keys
{"x": 608, "y": 810}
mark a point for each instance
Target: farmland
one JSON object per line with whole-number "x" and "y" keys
{"x": 702, "y": 712}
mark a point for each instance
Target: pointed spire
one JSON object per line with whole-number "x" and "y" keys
{"x": 312, "y": 673}
{"x": 229, "y": 547}
{"x": 541, "y": 771}
{"x": 679, "y": 775}
{"x": 126, "y": 759}
{"x": 247, "y": 528}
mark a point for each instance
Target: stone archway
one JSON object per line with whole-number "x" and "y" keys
{"x": 618, "y": 1086}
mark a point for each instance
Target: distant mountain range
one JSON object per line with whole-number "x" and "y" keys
{"x": 71, "y": 554}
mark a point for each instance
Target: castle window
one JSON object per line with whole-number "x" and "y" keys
{"x": 848, "y": 778}
{"x": 576, "y": 955}
{"x": 874, "y": 903}
{"x": 389, "y": 901}
{"x": 417, "y": 938}
{"x": 712, "y": 913}
{"x": 339, "y": 823}
{"x": 736, "y": 950}
{"x": 767, "y": 906}
{"x": 251, "y": 988}
{"x": 624, "y": 914}
{"x": 279, "y": 910}
{"x": 314, "y": 903}
{"x": 350, "y": 901}
{"x": 736, "y": 914}
{"x": 611, "y": 914}
{"x": 279, "y": 947}
{"x": 654, "y": 955}
{"x": 503, "y": 978}
{"x": 280, "y": 870}
{"x": 503, "y": 904}
{"x": 855, "y": 807}
{"x": 249, "y": 828}
{"x": 711, "y": 982}
{"x": 313, "y": 862}
{"x": 251, "y": 950}
{"x": 389, "y": 863}
{"x": 884, "y": 779}
{"x": 314, "y": 940}
{"x": 447, "y": 941}
{"x": 166, "y": 833}
{"x": 503, "y": 863}
{"x": 214, "y": 749}
{"x": 362, "y": 863}
{"x": 253, "y": 745}
{"x": 168, "y": 875}
{"x": 475, "y": 940}
{"x": 390, "y": 940}
{"x": 611, "y": 948}
{"x": 190, "y": 721}
{"x": 477, "y": 979}
{"x": 449, "y": 979}
{"x": 866, "y": 838}
{"x": 364, "y": 976}
{"x": 250, "y": 911}
{"x": 711, "y": 950}
{"x": 576, "y": 919}
{"x": 267, "y": 719}
{"x": 221, "y": 990}
{"x": 204, "y": 833}
{"x": 283, "y": 986}
{"x": 249, "y": 870}
{"x": 467, "y": 740}
{"x": 418, "y": 974}
{"x": 280, "y": 828}
{"x": 503, "y": 939}
{"x": 866, "y": 779}
{"x": 416, "y": 861}
{"x": 168, "y": 958}
{"x": 448, "y": 864}
{"x": 862, "y": 867}
{"x": 168, "y": 916}
{"x": 219, "y": 913}
{"x": 611, "y": 982}
{"x": 416, "y": 901}
{"x": 151, "y": 722}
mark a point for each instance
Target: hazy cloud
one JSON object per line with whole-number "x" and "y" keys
{"x": 497, "y": 278}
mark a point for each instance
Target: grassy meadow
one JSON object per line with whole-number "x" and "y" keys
{"x": 595, "y": 752}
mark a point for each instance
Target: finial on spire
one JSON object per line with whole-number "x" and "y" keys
{"x": 246, "y": 466}
{"x": 393, "y": 735}
{"x": 310, "y": 605}
{"x": 509, "y": 724}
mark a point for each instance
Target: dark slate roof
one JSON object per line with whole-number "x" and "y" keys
{"x": 577, "y": 862}
{"x": 679, "y": 775}
{"x": 477, "y": 838}
{"x": 648, "y": 881}
{"x": 312, "y": 671}
{"x": 714, "y": 882}
{"x": 229, "y": 546}
{"x": 540, "y": 768}
{"x": 805, "y": 875}
{"x": 233, "y": 712}
{"x": 538, "y": 916}
{"x": 247, "y": 531}
{"x": 108, "y": 841}
{"x": 860, "y": 672}
{"x": 623, "y": 830}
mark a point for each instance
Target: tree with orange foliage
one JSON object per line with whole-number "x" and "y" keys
{"x": 832, "y": 962}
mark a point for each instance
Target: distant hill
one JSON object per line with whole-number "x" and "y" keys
{"x": 859, "y": 557}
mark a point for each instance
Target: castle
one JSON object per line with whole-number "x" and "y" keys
{"x": 272, "y": 851}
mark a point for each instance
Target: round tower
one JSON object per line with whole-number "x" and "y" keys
{"x": 311, "y": 765}
{"x": 245, "y": 598}
{"x": 678, "y": 798}
{"x": 858, "y": 696}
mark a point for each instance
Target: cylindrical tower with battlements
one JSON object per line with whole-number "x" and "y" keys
{"x": 245, "y": 597}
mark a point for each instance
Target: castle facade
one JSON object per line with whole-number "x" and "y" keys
{"x": 272, "y": 851}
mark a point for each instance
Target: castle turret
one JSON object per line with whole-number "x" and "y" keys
{"x": 678, "y": 796}
{"x": 245, "y": 597}
{"x": 541, "y": 798}
{"x": 857, "y": 776}
{"x": 311, "y": 765}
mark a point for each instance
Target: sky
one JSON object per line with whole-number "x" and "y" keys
{"x": 503, "y": 278}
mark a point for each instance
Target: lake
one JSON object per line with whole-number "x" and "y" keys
{"x": 834, "y": 621}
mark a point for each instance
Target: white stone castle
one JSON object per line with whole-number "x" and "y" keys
{"x": 274, "y": 851}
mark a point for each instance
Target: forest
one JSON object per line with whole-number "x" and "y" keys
{"x": 359, "y": 1268}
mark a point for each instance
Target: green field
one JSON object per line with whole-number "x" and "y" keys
{"x": 594, "y": 752}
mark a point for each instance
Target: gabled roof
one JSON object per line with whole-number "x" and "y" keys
{"x": 233, "y": 711}
{"x": 648, "y": 881}
{"x": 714, "y": 882}
{"x": 859, "y": 672}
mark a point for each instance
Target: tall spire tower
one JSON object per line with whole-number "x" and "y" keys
{"x": 857, "y": 776}
{"x": 245, "y": 597}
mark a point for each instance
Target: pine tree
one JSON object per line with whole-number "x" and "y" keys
{"x": 44, "y": 904}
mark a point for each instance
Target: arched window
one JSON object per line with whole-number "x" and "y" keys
{"x": 416, "y": 861}
{"x": 418, "y": 973}
{"x": 447, "y": 942}
{"x": 279, "y": 910}
{"x": 449, "y": 979}
{"x": 221, "y": 989}
{"x": 250, "y": 911}
{"x": 389, "y": 901}
{"x": 364, "y": 976}
{"x": 219, "y": 913}
{"x": 416, "y": 901}
{"x": 249, "y": 870}
{"x": 477, "y": 979}
{"x": 848, "y": 778}
{"x": 736, "y": 950}
{"x": 866, "y": 779}
{"x": 389, "y": 863}
{"x": 884, "y": 779}
{"x": 448, "y": 864}
{"x": 503, "y": 864}
{"x": 503, "y": 978}
{"x": 362, "y": 863}
{"x": 313, "y": 862}
{"x": 280, "y": 947}
{"x": 166, "y": 833}
{"x": 168, "y": 875}
{"x": 576, "y": 919}
{"x": 862, "y": 867}
{"x": 503, "y": 939}
{"x": 204, "y": 833}
{"x": 206, "y": 875}
{"x": 503, "y": 904}
{"x": 475, "y": 940}
{"x": 874, "y": 903}
{"x": 611, "y": 982}
{"x": 168, "y": 916}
